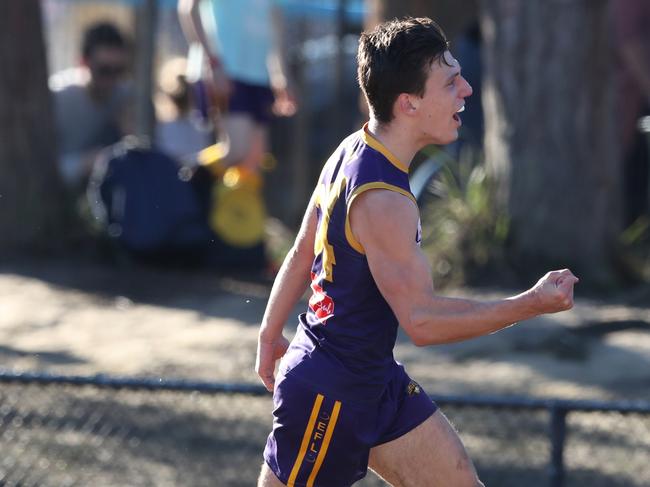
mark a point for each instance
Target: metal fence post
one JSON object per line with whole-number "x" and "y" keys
{"x": 558, "y": 435}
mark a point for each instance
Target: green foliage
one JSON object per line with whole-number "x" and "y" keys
{"x": 279, "y": 240}
{"x": 634, "y": 252}
{"x": 463, "y": 231}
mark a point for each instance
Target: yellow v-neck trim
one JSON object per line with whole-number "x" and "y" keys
{"x": 381, "y": 148}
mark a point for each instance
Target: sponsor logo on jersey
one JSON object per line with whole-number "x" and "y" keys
{"x": 320, "y": 303}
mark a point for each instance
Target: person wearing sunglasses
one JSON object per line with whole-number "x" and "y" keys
{"x": 91, "y": 102}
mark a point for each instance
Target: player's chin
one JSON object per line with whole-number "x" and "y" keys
{"x": 443, "y": 137}
{"x": 448, "y": 138}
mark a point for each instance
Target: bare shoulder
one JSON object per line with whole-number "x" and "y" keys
{"x": 381, "y": 214}
{"x": 384, "y": 204}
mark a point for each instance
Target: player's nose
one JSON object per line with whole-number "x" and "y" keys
{"x": 466, "y": 89}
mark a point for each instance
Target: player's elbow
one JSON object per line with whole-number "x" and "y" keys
{"x": 419, "y": 341}
{"x": 422, "y": 337}
{"x": 414, "y": 323}
{"x": 416, "y": 334}
{"x": 426, "y": 332}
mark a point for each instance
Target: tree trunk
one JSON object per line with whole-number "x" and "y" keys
{"x": 31, "y": 200}
{"x": 452, "y": 15}
{"x": 550, "y": 130}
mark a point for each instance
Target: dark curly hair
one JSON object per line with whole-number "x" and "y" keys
{"x": 395, "y": 58}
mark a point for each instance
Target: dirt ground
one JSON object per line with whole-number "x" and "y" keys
{"x": 78, "y": 317}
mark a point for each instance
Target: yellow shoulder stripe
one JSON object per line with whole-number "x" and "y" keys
{"x": 368, "y": 139}
{"x": 354, "y": 243}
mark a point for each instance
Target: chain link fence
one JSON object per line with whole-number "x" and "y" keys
{"x": 80, "y": 435}
{"x": 58, "y": 431}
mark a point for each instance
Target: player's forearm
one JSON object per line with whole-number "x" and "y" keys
{"x": 445, "y": 320}
{"x": 288, "y": 288}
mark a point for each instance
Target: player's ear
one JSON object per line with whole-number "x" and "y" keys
{"x": 406, "y": 104}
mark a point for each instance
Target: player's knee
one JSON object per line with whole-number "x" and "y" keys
{"x": 467, "y": 473}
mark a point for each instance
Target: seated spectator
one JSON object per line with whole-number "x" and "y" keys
{"x": 181, "y": 131}
{"x": 92, "y": 103}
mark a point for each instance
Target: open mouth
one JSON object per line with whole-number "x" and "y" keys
{"x": 455, "y": 116}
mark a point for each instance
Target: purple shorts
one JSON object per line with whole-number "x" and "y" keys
{"x": 255, "y": 100}
{"x": 323, "y": 441}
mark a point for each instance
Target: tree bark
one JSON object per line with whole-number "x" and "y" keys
{"x": 550, "y": 130}
{"x": 31, "y": 199}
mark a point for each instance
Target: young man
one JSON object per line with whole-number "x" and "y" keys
{"x": 92, "y": 103}
{"x": 342, "y": 403}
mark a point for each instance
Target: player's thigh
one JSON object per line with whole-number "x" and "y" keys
{"x": 430, "y": 455}
{"x": 268, "y": 478}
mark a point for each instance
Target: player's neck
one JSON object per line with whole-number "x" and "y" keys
{"x": 395, "y": 139}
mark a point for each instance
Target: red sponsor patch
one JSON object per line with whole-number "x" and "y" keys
{"x": 320, "y": 303}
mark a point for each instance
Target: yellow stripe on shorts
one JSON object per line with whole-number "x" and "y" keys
{"x": 326, "y": 443}
{"x": 305, "y": 440}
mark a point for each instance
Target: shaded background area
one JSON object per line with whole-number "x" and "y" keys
{"x": 539, "y": 129}
{"x": 321, "y": 52}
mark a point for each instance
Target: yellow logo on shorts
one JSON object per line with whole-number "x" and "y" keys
{"x": 317, "y": 436}
{"x": 413, "y": 388}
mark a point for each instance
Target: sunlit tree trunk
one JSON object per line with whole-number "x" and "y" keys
{"x": 550, "y": 130}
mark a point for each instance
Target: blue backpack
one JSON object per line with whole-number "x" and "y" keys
{"x": 144, "y": 200}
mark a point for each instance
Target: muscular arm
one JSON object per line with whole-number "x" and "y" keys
{"x": 288, "y": 288}
{"x": 403, "y": 276}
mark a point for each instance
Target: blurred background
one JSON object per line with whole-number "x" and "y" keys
{"x": 138, "y": 243}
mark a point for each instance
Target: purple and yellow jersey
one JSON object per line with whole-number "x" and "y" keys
{"x": 345, "y": 339}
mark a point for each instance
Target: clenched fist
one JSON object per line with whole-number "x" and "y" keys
{"x": 554, "y": 291}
